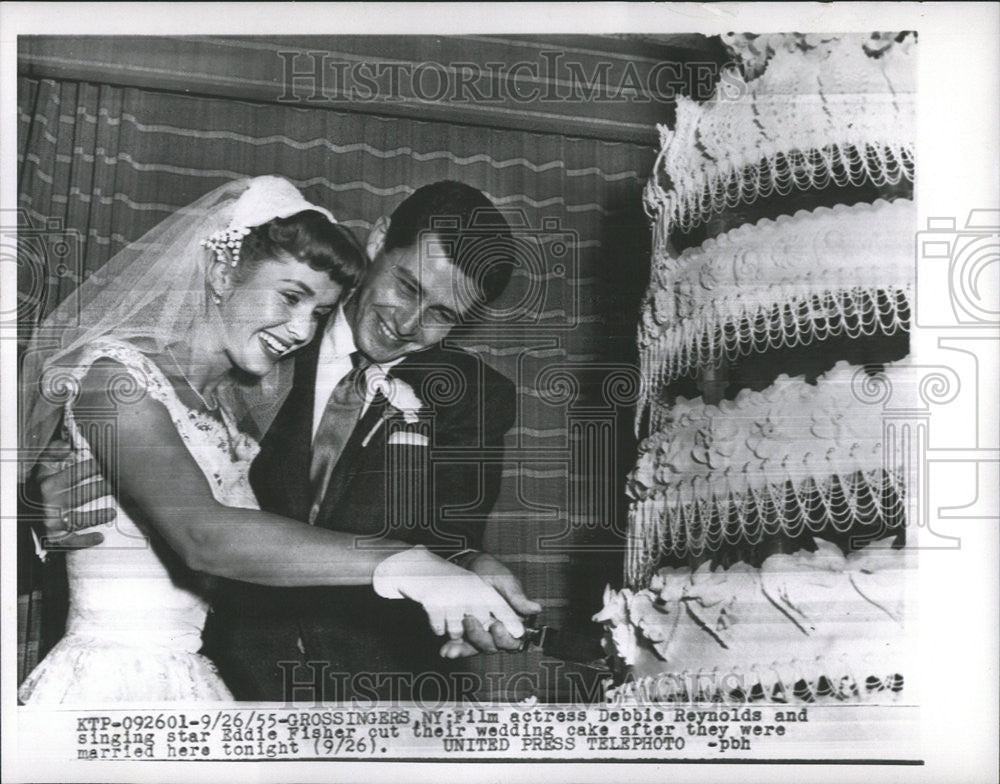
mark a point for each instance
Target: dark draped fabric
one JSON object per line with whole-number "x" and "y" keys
{"x": 100, "y": 164}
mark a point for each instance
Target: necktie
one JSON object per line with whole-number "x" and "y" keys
{"x": 335, "y": 427}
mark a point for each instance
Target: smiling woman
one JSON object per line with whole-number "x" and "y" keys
{"x": 261, "y": 318}
{"x": 223, "y": 290}
{"x": 270, "y": 291}
{"x": 275, "y": 312}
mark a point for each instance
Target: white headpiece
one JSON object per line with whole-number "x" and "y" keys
{"x": 267, "y": 198}
{"x": 150, "y": 294}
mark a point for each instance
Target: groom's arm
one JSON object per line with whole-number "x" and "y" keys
{"x": 465, "y": 491}
{"x": 65, "y": 489}
{"x": 458, "y": 489}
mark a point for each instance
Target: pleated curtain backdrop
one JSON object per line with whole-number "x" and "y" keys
{"x": 104, "y": 164}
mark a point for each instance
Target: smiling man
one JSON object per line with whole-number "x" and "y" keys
{"x": 407, "y": 303}
{"x": 358, "y": 464}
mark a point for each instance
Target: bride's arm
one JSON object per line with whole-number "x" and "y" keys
{"x": 156, "y": 477}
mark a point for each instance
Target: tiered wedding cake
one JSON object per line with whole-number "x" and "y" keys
{"x": 766, "y": 555}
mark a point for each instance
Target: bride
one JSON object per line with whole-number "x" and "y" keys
{"x": 139, "y": 367}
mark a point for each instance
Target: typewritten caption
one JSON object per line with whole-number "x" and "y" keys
{"x": 502, "y": 731}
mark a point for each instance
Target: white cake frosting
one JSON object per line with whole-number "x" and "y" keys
{"x": 802, "y": 112}
{"x": 800, "y": 617}
{"x": 824, "y": 110}
{"x": 846, "y": 270}
{"x": 705, "y": 478}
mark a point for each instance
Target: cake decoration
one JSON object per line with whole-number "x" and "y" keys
{"x": 766, "y": 552}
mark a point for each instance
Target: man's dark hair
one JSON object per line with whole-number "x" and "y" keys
{"x": 476, "y": 234}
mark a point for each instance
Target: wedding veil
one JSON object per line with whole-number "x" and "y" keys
{"x": 150, "y": 294}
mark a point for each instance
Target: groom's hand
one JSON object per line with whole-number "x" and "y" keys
{"x": 65, "y": 486}
{"x": 477, "y": 638}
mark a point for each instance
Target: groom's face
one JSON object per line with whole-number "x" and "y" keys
{"x": 407, "y": 303}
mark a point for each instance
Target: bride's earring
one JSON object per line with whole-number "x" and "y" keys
{"x": 216, "y": 297}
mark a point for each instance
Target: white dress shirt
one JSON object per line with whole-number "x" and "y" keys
{"x": 335, "y": 349}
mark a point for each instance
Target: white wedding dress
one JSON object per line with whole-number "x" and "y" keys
{"x": 135, "y": 613}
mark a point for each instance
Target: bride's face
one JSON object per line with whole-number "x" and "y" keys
{"x": 273, "y": 312}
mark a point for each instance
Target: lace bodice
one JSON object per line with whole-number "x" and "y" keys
{"x": 131, "y": 589}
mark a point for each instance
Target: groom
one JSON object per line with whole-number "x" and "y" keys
{"x": 430, "y": 482}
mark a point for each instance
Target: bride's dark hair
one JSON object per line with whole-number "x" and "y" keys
{"x": 307, "y": 237}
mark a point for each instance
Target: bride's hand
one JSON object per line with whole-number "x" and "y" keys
{"x": 448, "y": 593}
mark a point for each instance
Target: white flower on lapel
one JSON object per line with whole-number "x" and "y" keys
{"x": 400, "y": 396}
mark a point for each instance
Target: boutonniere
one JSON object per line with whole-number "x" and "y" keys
{"x": 400, "y": 397}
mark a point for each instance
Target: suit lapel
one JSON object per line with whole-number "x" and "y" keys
{"x": 412, "y": 371}
{"x": 349, "y": 463}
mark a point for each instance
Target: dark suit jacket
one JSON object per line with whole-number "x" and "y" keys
{"x": 347, "y": 642}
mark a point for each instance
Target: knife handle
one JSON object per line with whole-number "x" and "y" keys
{"x": 532, "y": 634}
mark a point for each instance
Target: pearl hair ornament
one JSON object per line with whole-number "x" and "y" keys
{"x": 265, "y": 199}
{"x": 226, "y": 244}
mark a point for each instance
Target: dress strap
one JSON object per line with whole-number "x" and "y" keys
{"x": 220, "y": 449}
{"x": 142, "y": 376}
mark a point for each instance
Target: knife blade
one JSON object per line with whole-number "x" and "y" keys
{"x": 568, "y": 646}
